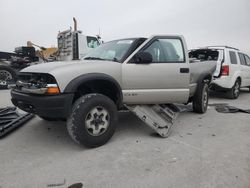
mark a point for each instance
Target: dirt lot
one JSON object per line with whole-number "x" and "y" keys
{"x": 210, "y": 150}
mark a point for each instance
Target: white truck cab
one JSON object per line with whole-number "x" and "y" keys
{"x": 73, "y": 45}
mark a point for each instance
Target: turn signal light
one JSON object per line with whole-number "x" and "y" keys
{"x": 225, "y": 70}
{"x": 53, "y": 90}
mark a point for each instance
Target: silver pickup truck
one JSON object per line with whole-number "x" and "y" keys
{"x": 88, "y": 93}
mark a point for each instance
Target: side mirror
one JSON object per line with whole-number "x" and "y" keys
{"x": 143, "y": 58}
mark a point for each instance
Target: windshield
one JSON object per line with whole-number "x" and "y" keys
{"x": 112, "y": 51}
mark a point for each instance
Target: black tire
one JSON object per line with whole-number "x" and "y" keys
{"x": 7, "y": 74}
{"x": 90, "y": 113}
{"x": 48, "y": 118}
{"x": 234, "y": 92}
{"x": 200, "y": 100}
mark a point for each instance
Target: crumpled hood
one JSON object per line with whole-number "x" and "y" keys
{"x": 66, "y": 71}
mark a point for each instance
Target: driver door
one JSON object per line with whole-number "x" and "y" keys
{"x": 164, "y": 80}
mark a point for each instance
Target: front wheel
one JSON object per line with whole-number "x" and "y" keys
{"x": 93, "y": 120}
{"x": 235, "y": 90}
{"x": 7, "y": 75}
{"x": 200, "y": 100}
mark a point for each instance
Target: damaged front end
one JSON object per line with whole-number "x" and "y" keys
{"x": 39, "y": 93}
{"x": 36, "y": 83}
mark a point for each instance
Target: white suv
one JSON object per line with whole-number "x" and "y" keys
{"x": 232, "y": 71}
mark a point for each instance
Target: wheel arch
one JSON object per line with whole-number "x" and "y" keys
{"x": 205, "y": 77}
{"x": 96, "y": 83}
{"x": 236, "y": 76}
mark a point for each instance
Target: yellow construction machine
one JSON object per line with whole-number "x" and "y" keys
{"x": 46, "y": 54}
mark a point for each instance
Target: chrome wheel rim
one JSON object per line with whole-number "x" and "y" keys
{"x": 97, "y": 121}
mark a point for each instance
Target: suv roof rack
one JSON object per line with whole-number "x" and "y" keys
{"x": 225, "y": 47}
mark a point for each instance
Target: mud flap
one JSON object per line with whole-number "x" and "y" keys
{"x": 11, "y": 119}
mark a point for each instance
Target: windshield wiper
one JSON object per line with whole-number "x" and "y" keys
{"x": 98, "y": 58}
{"x": 94, "y": 58}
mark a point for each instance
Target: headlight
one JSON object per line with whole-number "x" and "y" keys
{"x": 37, "y": 83}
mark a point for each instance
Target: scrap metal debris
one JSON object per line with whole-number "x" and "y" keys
{"x": 11, "y": 119}
{"x": 230, "y": 109}
{"x": 57, "y": 184}
{"x": 76, "y": 185}
{"x": 218, "y": 104}
{"x": 160, "y": 118}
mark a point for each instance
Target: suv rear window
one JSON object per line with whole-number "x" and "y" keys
{"x": 233, "y": 57}
{"x": 242, "y": 59}
{"x": 247, "y": 60}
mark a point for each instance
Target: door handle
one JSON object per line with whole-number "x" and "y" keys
{"x": 184, "y": 70}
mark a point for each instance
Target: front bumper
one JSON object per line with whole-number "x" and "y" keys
{"x": 52, "y": 106}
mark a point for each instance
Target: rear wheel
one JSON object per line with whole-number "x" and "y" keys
{"x": 7, "y": 75}
{"x": 235, "y": 90}
{"x": 93, "y": 120}
{"x": 200, "y": 100}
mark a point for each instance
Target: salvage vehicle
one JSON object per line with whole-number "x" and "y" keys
{"x": 232, "y": 71}
{"x": 90, "y": 92}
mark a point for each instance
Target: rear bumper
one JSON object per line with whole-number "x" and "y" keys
{"x": 224, "y": 82}
{"x": 216, "y": 87}
{"x": 53, "y": 106}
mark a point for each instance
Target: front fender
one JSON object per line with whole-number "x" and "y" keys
{"x": 76, "y": 82}
{"x": 73, "y": 85}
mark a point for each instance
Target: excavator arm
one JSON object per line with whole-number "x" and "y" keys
{"x": 47, "y": 54}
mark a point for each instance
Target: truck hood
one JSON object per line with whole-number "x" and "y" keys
{"x": 66, "y": 71}
{"x": 47, "y": 67}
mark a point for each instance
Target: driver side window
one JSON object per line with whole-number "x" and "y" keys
{"x": 166, "y": 51}
{"x": 155, "y": 50}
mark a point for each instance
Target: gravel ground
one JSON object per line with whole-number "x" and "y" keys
{"x": 203, "y": 151}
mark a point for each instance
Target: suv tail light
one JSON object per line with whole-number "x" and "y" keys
{"x": 225, "y": 70}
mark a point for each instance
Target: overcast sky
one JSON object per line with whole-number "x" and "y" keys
{"x": 202, "y": 22}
